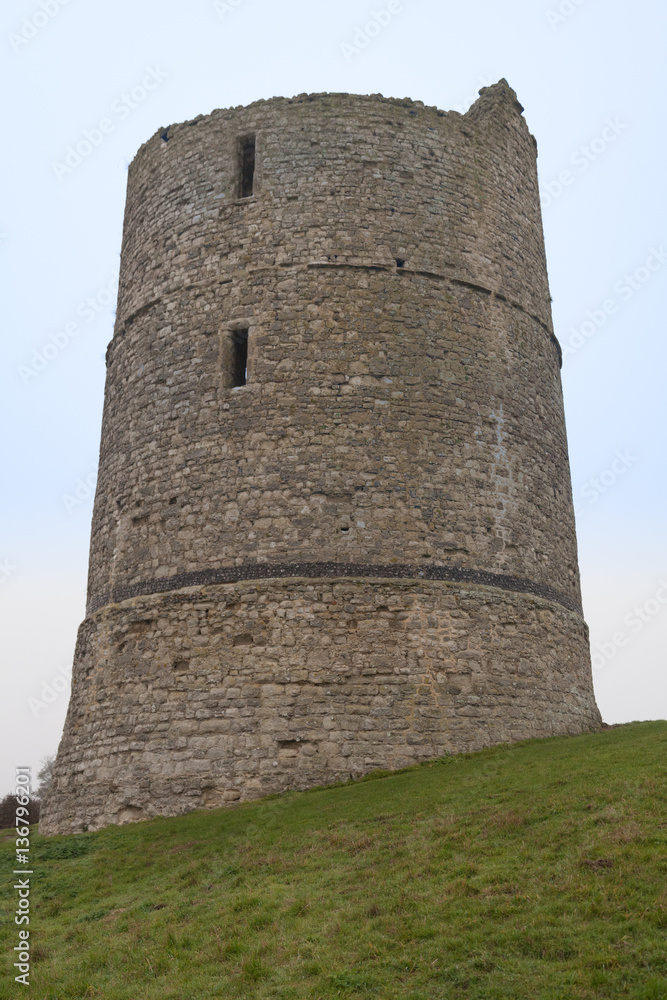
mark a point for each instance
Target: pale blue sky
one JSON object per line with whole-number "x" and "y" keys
{"x": 592, "y": 80}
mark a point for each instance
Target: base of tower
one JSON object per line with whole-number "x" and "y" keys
{"x": 213, "y": 695}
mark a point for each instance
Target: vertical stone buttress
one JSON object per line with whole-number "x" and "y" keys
{"x": 365, "y": 556}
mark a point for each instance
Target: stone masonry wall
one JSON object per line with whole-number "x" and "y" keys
{"x": 215, "y": 695}
{"x": 402, "y": 419}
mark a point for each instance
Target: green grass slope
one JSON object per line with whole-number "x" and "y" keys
{"x": 535, "y": 870}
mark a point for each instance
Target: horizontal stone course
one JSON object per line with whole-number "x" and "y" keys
{"x": 269, "y": 571}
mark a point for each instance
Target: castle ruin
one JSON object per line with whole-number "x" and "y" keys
{"x": 333, "y": 528}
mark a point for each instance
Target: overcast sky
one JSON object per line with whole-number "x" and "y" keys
{"x": 591, "y": 75}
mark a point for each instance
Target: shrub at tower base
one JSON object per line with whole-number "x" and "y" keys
{"x": 333, "y": 528}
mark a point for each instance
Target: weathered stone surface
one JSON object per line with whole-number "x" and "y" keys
{"x": 366, "y": 555}
{"x": 170, "y": 713}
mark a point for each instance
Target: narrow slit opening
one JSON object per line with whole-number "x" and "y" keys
{"x": 247, "y": 158}
{"x": 239, "y": 357}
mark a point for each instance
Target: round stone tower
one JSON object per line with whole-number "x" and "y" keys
{"x": 333, "y": 528}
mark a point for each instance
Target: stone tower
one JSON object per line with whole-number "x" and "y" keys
{"x": 333, "y": 528}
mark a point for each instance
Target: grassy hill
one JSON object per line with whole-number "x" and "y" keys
{"x": 535, "y": 870}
